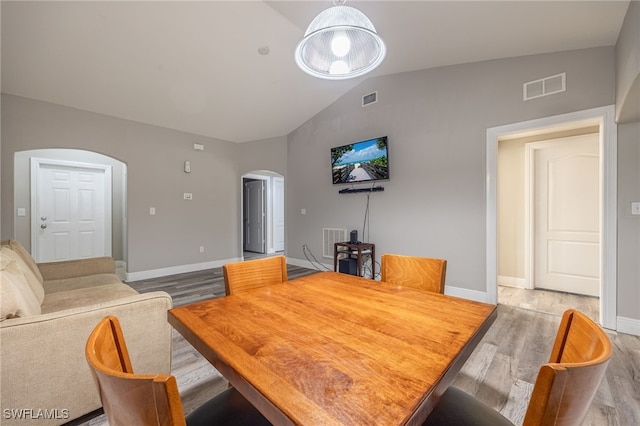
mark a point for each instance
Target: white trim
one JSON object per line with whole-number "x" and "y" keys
{"x": 36, "y": 163}
{"x": 180, "y": 269}
{"x": 608, "y": 149}
{"x": 628, "y": 326}
{"x": 516, "y": 282}
{"x": 465, "y": 293}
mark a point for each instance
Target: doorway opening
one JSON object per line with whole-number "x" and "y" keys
{"x": 511, "y": 242}
{"x": 262, "y": 209}
{"x": 81, "y": 164}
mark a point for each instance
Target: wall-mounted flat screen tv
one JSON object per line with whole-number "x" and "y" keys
{"x": 365, "y": 161}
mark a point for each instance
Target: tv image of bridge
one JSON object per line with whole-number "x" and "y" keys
{"x": 359, "y": 172}
{"x": 361, "y": 162}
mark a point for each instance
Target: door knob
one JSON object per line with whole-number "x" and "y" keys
{"x": 43, "y": 218}
{"x": 43, "y": 226}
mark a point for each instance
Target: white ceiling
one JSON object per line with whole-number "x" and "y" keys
{"x": 195, "y": 66}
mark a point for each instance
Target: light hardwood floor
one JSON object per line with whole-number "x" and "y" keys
{"x": 500, "y": 372}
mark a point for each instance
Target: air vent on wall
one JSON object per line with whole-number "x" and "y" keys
{"x": 369, "y": 99}
{"x": 545, "y": 86}
{"x": 331, "y": 236}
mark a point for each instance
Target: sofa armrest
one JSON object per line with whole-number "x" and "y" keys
{"x": 77, "y": 268}
{"x": 43, "y": 356}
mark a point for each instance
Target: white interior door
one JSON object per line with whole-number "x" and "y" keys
{"x": 71, "y": 210}
{"x": 254, "y": 216}
{"x": 567, "y": 215}
{"x": 278, "y": 213}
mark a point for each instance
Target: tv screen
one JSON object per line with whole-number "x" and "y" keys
{"x": 365, "y": 161}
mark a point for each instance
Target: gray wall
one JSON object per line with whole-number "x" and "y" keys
{"x": 155, "y": 158}
{"x": 628, "y": 66}
{"x": 434, "y": 204}
{"x": 628, "y": 109}
{"x": 628, "y": 225}
{"x": 436, "y": 120}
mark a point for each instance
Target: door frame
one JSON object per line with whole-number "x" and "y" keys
{"x": 267, "y": 176}
{"x": 36, "y": 163}
{"x": 246, "y": 212}
{"x": 605, "y": 118}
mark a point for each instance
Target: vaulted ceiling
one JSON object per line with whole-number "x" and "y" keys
{"x": 195, "y": 66}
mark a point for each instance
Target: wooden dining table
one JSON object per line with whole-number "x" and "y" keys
{"x": 335, "y": 349}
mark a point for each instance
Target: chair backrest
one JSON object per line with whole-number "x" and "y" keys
{"x": 243, "y": 276}
{"x": 418, "y": 272}
{"x": 567, "y": 384}
{"x": 128, "y": 398}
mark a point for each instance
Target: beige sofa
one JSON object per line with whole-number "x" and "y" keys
{"x": 48, "y": 311}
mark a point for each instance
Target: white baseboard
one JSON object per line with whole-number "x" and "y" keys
{"x": 628, "y": 326}
{"x": 465, "y": 293}
{"x": 511, "y": 281}
{"x": 181, "y": 269}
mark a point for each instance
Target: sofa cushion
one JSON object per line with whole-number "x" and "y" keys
{"x": 26, "y": 256}
{"x": 32, "y": 279}
{"x": 16, "y": 297}
{"x": 80, "y": 297}
{"x": 68, "y": 284}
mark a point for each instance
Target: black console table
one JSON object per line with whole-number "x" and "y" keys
{"x": 357, "y": 250}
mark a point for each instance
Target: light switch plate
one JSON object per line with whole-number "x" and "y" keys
{"x": 22, "y": 211}
{"x": 635, "y": 208}
{"x": 188, "y": 196}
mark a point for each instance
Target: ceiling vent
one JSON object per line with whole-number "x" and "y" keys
{"x": 545, "y": 86}
{"x": 369, "y": 99}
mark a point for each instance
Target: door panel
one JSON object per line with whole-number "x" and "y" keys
{"x": 72, "y": 212}
{"x": 567, "y": 215}
{"x": 254, "y": 213}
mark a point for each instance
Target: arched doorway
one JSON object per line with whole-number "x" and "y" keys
{"x": 23, "y": 195}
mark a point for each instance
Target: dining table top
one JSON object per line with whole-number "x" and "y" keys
{"x": 335, "y": 349}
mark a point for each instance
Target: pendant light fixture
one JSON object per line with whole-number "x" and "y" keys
{"x": 340, "y": 43}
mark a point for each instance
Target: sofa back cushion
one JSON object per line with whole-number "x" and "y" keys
{"x": 17, "y": 247}
{"x": 32, "y": 279}
{"x": 16, "y": 297}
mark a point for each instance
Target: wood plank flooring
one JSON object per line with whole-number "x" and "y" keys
{"x": 500, "y": 372}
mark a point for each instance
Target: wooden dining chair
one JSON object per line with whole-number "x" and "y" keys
{"x": 243, "y": 276}
{"x": 564, "y": 388}
{"x": 152, "y": 399}
{"x": 419, "y": 272}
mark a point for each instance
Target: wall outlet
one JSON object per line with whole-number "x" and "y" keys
{"x": 188, "y": 196}
{"x": 152, "y": 211}
{"x": 201, "y": 249}
{"x": 635, "y": 208}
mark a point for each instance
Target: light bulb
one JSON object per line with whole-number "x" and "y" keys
{"x": 340, "y": 44}
{"x": 339, "y": 67}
